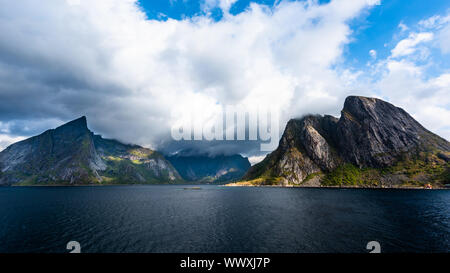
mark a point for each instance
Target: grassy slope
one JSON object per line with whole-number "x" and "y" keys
{"x": 131, "y": 168}
{"x": 423, "y": 168}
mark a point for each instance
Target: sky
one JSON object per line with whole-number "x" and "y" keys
{"x": 134, "y": 67}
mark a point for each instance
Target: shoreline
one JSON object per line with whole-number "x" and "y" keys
{"x": 93, "y": 185}
{"x": 335, "y": 187}
{"x": 230, "y": 185}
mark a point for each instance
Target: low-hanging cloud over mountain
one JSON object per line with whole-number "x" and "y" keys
{"x": 127, "y": 73}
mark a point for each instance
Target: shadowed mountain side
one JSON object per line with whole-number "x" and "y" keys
{"x": 72, "y": 154}
{"x": 373, "y": 144}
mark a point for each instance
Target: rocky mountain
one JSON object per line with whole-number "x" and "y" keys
{"x": 72, "y": 154}
{"x": 209, "y": 169}
{"x": 373, "y": 144}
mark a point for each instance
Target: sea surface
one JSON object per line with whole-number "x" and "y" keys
{"x": 222, "y": 219}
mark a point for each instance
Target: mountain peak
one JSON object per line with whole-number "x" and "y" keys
{"x": 79, "y": 123}
{"x": 72, "y": 154}
{"x": 371, "y": 134}
{"x": 359, "y": 104}
{"x": 360, "y": 98}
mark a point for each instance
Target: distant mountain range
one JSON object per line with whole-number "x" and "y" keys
{"x": 208, "y": 169}
{"x": 72, "y": 155}
{"x": 372, "y": 144}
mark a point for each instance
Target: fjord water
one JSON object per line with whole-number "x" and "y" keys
{"x": 222, "y": 219}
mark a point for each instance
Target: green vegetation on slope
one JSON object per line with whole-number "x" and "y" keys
{"x": 414, "y": 171}
{"x": 134, "y": 171}
{"x": 350, "y": 175}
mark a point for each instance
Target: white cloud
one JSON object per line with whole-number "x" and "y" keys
{"x": 406, "y": 85}
{"x": 404, "y": 78}
{"x": 73, "y": 2}
{"x": 408, "y": 46}
{"x": 441, "y": 26}
{"x": 224, "y": 5}
{"x": 104, "y": 59}
{"x": 403, "y": 27}
{"x": 6, "y": 140}
{"x": 373, "y": 2}
{"x": 443, "y": 39}
{"x": 434, "y": 22}
{"x": 256, "y": 159}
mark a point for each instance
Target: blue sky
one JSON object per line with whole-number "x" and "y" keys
{"x": 142, "y": 65}
{"x": 178, "y": 9}
{"x": 380, "y": 26}
{"x": 375, "y": 29}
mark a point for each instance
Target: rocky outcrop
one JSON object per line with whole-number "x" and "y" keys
{"x": 306, "y": 147}
{"x": 72, "y": 154}
{"x": 370, "y": 133}
{"x": 209, "y": 169}
{"x": 65, "y": 153}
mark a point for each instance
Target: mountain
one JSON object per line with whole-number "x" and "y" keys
{"x": 208, "y": 169}
{"x": 72, "y": 154}
{"x": 373, "y": 144}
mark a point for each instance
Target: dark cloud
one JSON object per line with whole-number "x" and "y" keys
{"x": 127, "y": 74}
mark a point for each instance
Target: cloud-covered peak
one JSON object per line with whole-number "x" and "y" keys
{"x": 135, "y": 77}
{"x": 106, "y": 60}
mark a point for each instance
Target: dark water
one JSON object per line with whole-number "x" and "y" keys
{"x": 221, "y": 219}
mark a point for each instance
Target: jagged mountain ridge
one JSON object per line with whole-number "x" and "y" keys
{"x": 72, "y": 154}
{"x": 372, "y": 135}
{"x": 210, "y": 169}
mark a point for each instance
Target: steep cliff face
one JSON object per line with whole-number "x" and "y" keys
{"x": 72, "y": 154}
{"x": 65, "y": 153}
{"x": 304, "y": 148}
{"x": 210, "y": 169}
{"x": 375, "y": 133}
{"x": 370, "y": 134}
